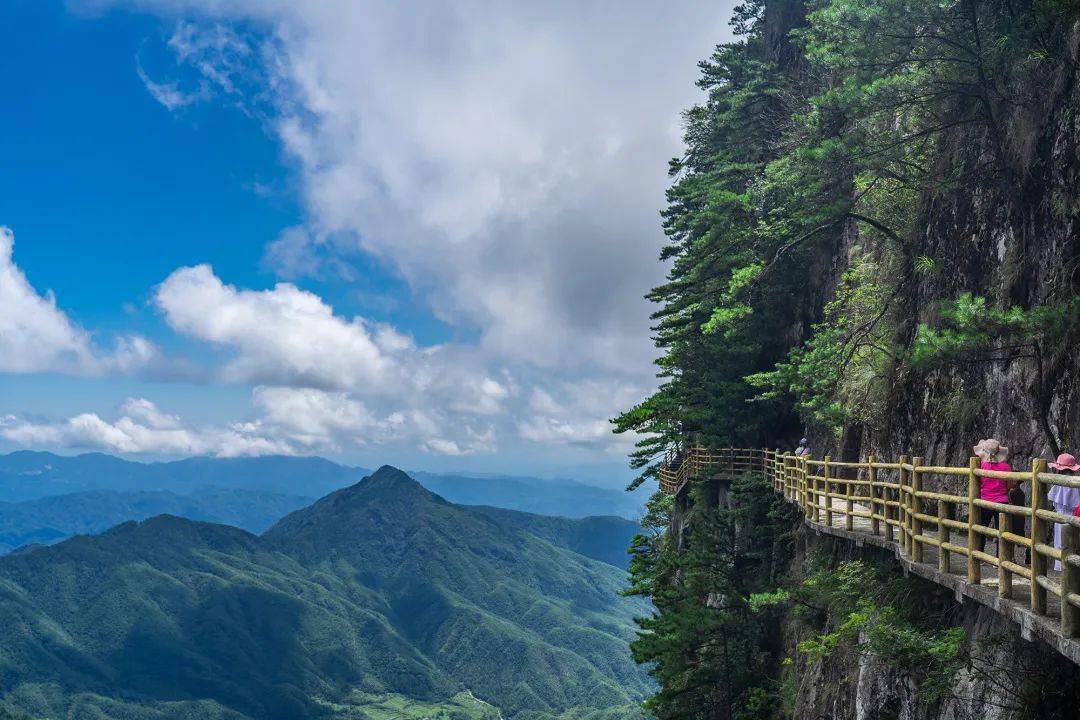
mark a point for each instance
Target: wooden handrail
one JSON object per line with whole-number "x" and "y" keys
{"x": 887, "y": 500}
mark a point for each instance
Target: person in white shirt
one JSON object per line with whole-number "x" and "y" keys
{"x": 1065, "y": 499}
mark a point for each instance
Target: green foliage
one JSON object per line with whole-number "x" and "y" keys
{"x": 711, "y": 642}
{"x": 841, "y": 373}
{"x": 831, "y": 132}
{"x": 376, "y": 594}
{"x": 970, "y": 329}
{"x": 866, "y": 611}
{"x": 381, "y": 706}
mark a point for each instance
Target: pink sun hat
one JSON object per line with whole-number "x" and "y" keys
{"x": 1065, "y": 461}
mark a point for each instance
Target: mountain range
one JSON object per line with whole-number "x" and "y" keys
{"x": 50, "y": 519}
{"x": 51, "y": 497}
{"x": 380, "y": 600}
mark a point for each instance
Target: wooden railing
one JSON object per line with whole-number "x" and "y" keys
{"x": 697, "y": 461}
{"x": 933, "y": 516}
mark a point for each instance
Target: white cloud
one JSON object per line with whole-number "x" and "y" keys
{"x": 37, "y": 336}
{"x": 219, "y": 57}
{"x": 322, "y": 382}
{"x": 286, "y": 336}
{"x": 140, "y": 429}
{"x": 474, "y": 442}
{"x": 318, "y": 418}
{"x": 290, "y": 421}
{"x": 168, "y": 94}
{"x": 142, "y": 410}
{"x": 508, "y": 159}
{"x": 581, "y": 415}
{"x": 280, "y": 336}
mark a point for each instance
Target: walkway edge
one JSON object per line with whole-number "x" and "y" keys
{"x": 1030, "y": 625}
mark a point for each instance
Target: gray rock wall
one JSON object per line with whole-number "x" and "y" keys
{"x": 1005, "y": 678}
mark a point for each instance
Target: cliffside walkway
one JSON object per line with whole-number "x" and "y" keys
{"x": 929, "y": 517}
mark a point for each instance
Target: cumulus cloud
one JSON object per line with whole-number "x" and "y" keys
{"x": 281, "y": 336}
{"x": 290, "y": 337}
{"x": 142, "y": 428}
{"x": 317, "y": 418}
{"x": 507, "y": 159}
{"x": 37, "y": 336}
{"x": 289, "y": 421}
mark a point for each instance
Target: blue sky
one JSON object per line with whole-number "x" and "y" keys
{"x": 343, "y": 228}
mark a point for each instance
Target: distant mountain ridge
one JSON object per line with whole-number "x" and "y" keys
{"x": 29, "y": 475}
{"x": 379, "y": 590}
{"x": 52, "y": 518}
{"x": 45, "y": 498}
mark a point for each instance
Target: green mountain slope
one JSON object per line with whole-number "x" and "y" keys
{"x": 379, "y": 591}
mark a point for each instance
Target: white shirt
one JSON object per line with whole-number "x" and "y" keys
{"x": 1065, "y": 499}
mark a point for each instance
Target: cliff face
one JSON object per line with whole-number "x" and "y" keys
{"x": 988, "y": 208}
{"x": 1012, "y": 236}
{"x": 1003, "y": 677}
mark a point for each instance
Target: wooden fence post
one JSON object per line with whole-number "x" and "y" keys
{"x": 805, "y": 487}
{"x": 974, "y": 564}
{"x": 871, "y": 476}
{"x": 817, "y": 498}
{"x": 916, "y": 523}
{"x": 902, "y": 508}
{"x": 1070, "y": 581}
{"x": 1038, "y": 534}
{"x": 1005, "y": 577}
{"x": 828, "y": 488}
{"x": 849, "y": 503}
{"x": 788, "y": 476}
{"x": 943, "y": 534}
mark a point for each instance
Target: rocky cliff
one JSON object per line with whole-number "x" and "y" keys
{"x": 1009, "y": 233}
{"x": 999, "y": 675}
{"x": 874, "y": 237}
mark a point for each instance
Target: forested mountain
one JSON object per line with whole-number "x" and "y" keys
{"x": 379, "y": 596}
{"x": 873, "y": 240}
{"x": 877, "y": 198}
{"x": 250, "y": 504}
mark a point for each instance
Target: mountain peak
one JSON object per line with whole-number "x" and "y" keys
{"x": 390, "y": 475}
{"x": 386, "y": 498}
{"x": 387, "y": 486}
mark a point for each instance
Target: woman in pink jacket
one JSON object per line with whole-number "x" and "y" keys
{"x": 993, "y": 456}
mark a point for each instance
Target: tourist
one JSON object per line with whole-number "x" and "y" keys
{"x": 993, "y": 455}
{"x": 804, "y": 448}
{"x": 1066, "y": 500}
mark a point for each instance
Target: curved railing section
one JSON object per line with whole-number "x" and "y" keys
{"x": 933, "y": 518}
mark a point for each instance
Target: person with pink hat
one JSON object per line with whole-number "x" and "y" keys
{"x": 993, "y": 456}
{"x": 1065, "y": 499}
